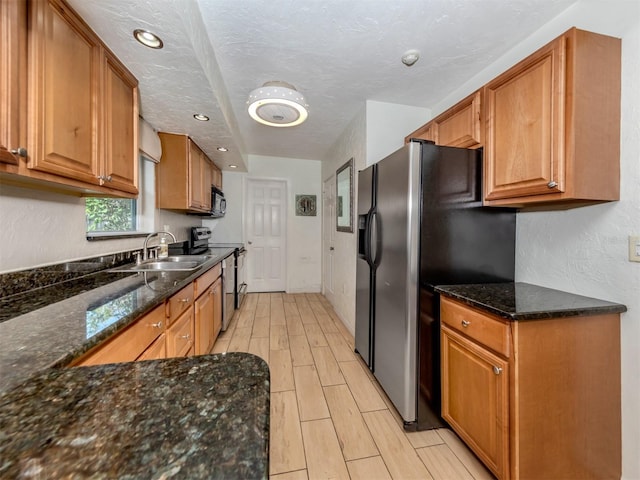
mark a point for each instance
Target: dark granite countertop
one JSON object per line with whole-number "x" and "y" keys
{"x": 524, "y": 301}
{"x": 199, "y": 417}
{"x": 50, "y": 326}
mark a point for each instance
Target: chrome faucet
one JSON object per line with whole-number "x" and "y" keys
{"x": 145, "y": 248}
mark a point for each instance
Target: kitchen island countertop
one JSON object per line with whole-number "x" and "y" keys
{"x": 524, "y": 301}
{"x": 199, "y": 417}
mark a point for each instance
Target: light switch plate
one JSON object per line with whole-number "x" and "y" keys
{"x": 634, "y": 248}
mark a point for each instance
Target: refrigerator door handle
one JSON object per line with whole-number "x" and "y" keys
{"x": 374, "y": 239}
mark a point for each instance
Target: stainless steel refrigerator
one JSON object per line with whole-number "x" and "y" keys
{"x": 420, "y": 224}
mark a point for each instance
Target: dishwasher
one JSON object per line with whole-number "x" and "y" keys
{"x": 228, "y": 287}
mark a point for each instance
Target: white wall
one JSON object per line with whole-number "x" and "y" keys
{"x": 304, "y": 263}
{"x": 351, "y": 144}
{"x": 40, "y": 228}
{"x": 388, "y": 124}
{"x": 229, "y": 229}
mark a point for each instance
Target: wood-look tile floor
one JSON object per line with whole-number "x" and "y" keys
{"x": 329, "y": 417}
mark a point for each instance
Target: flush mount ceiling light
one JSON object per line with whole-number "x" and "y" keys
{"x": 277, "y": 104}
{"x": 201, "y": 117}
{"x": 148, "y": 39}
{"x": 233, "y": 166}
{"x": 222, "y": 149}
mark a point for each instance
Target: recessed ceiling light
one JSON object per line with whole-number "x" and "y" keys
{"x": 148, "y": 39}
{"x": 201, "y": 117}
{"x": 233, "y": 166}
{"x": 222, "y": 149}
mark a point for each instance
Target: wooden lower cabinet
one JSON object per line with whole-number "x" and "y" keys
{"x": 178, "y": 327}
{"x": 156, "y": 350}
{"x": 475, "y": 398}
{"x": 534, "y": 399}
{"x": 208, "y": 318}
{"x": 180, "y": 335}
{"x": 205, "y": 336}
{"x": 129, "y": 344}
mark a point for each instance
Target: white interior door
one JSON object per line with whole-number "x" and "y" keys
{"x": 266, "y": 216}
{"x": 328, "y": 235}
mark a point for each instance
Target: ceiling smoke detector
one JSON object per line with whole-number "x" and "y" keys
{"x": 277, "y": 104}
{"x": 410, "y": 57}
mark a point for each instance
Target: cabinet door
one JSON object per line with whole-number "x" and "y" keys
{"x": 217, "y": 177}
{"x": 180, "y": 335}
{"x": 64, "y": 86}
{"x": 475, "y": 401}
{"x": 217, "y": 308}
{"x": 121, "y": 127}
{"x": 206, "y": 177}
{"x": 156, "y": 350}
{"x": 194, "y": 176}
{"x": 460, "y": 126}
{"x": 525, "y": 128}
{"x": 426, "y": 132}
{"x": 204, "y": 308}
{"x": 13, "y": 53}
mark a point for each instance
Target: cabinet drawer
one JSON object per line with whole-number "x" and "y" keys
{"x": 180, "y": 335}
{"x": 131, "y": 343}
{"x": 204, "y": 281}
{"x": 179, "y": 302}
{"x": 486, "y": 330}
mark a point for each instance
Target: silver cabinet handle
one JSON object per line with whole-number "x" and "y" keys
{"x": 20, "y": 151}
{"x": 552, "y": 184}
{"x": 185, "y": 300}
{"x": 497, "y": 370}
{"x": 188, "y": 336}
{"x": 157, "y": 325}
{"x": 465, "y": 323}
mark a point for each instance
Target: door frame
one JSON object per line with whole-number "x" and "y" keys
{"x": 285, "y": 219}
{"x": 328, "y": 229}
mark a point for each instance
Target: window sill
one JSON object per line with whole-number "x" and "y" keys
{"x": 98, "y": 236}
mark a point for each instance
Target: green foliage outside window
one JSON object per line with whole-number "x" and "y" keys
{"x": 110, "y": 214}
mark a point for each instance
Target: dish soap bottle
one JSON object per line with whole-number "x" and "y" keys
{"x": 163, "y": 251}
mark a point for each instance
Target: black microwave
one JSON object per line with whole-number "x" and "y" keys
{"x": 218, "y": 205}
{"x": 218, "y": 202}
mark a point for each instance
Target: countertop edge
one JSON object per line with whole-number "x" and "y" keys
{"x": 606, "y": 308}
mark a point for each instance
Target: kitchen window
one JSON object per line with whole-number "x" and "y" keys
{"x": 123, "y": 217}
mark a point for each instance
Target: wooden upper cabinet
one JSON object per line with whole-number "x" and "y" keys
{"x": 459, "y": 126}
{"x": 217, "y": 177}
{"x": 121, "y": 124}
{"x": 68, "y": 100}
{"x": 13, "y": 53}
{"x": 64, "y": 90}
{"x": 184, "y": 175}
{"x": 553, "y": 125}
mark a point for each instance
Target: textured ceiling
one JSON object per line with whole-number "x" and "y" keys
{"x": 338, "y": 53}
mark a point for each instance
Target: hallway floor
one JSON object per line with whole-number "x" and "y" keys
{"x": 329, "y": 417}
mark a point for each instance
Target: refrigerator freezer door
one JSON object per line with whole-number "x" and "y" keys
{"x": 396, "y": 278}
{"x": 365, "y": 276}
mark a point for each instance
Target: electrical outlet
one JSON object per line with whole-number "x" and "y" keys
{"x": 634, "y": 248}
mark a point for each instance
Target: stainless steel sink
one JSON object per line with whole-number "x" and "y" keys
{"x": 177, "y": 263}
